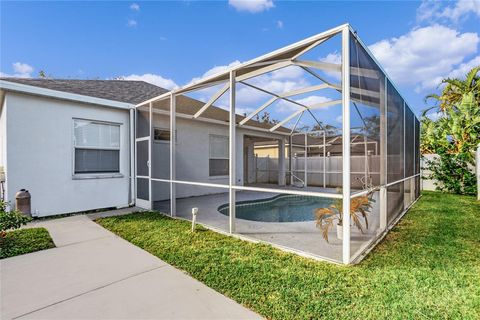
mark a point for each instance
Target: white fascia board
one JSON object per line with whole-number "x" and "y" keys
{"x": 23, "y": 88}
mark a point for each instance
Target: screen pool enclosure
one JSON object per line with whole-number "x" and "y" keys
{"x": 277, "y": 148}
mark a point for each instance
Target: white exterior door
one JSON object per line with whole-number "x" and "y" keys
{"x": 142, "y": 170}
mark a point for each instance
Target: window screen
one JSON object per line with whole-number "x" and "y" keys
{"x": 218, "y": 161}
{"x": 97, "y": 147}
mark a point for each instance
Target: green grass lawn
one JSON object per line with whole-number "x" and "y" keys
{"x": 23, "y": 241}
{"x": 427, "y": 267}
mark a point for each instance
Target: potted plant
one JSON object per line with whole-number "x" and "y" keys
{"x": 360, "y": 207}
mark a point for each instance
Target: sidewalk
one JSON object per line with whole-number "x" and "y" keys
{"x": 93, "y": 274}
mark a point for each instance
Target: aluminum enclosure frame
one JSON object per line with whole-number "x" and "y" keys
{"x": 264, "y": 64}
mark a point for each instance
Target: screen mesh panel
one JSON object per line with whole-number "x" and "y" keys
{"x": 142, "y": 121}
{"x": 142, "y": 189}
{"x": 395, "y": 201}
{"x": 367, "y": 93}
{"x": 417, "y": 146}
{"x": 161, "y": 140}
{"x": 395, "y": 130}
{"x": 409, "y": 142}
{"x": 142, "y": 158}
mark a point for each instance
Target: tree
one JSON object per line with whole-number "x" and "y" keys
{"x": 265, "y": 118}
{"x": 454, "y": 133}
{"x": 456, "y": 90}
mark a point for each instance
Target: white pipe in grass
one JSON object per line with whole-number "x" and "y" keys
{"x": 194, "y": 218}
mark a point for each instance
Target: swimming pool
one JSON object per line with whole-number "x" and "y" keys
{"x": 281, "y": 208}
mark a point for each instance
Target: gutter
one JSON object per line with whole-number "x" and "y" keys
{"x": 132, "y": 157}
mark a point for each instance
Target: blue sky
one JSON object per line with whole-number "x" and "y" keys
{"x": 169, "y": 43}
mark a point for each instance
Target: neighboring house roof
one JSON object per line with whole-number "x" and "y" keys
{"x": 127, "y": 91}
{"x": 333, "y": 144}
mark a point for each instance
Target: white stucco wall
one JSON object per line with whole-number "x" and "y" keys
{"x": 40, "y": 155}
{"x": 192, "y": 157}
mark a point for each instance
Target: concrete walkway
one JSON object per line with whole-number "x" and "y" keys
{"x": 93, "y": 274}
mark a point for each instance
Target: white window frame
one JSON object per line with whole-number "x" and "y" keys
{"x": 99, "y": 175}
{"x": 216, "y": 158}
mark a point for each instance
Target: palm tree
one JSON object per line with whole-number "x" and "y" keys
{"x": 458, "y": 128}
{"x": 456, "y": 91}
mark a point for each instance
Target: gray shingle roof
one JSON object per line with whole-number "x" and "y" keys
{"x": 117, "y": 90}
{"x": 133, "y": 92}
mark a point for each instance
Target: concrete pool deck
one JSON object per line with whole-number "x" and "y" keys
{"x": 301, "y": 237}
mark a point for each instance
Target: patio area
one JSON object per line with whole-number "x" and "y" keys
{"x": 302, "y": 237}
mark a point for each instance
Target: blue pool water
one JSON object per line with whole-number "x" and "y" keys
{"x": 282, "y": 208}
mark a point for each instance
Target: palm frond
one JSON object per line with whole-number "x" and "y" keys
{"x": 360, "y": 207}
{"x": 472, "y": 77}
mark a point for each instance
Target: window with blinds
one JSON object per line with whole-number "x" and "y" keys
{"x": 97, "y": 147}
{"x": 218, "y": 161}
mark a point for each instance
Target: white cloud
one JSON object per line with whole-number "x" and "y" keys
{"x": 135, "y": 7}
{"x": 215, "y": 70}
{"x": 436, "y": 10}
{"x": 428, "y": 10}
{"x": 424, "y": 54}
{"x": 20, "y": 70}
{"x": 461, "y": 8}
{"x": 249, "y": 99}
{"x": 252, "y": 6}
{"x": 461, "y": 70}
{"x": 434, "y": 116}
{"x": 242, "y": 111}
{"x": 153, "y": 79}
{"x": 335, "y": 58}
{"x": 288, "y": 107}
{"x": 280, "y": 24}
{"x": 458, "y": 72}
{"x": 291, "y": 72}
{"x": 131, "y": 23}
{"x": 311, "y": 100}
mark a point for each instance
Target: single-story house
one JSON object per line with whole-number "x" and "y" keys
{"x": 71, "y": 143}
{"x": 314, "y": 146}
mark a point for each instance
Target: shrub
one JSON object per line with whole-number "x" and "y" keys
{"x": 12, "y": 219}
{"x": 452, "y": 173}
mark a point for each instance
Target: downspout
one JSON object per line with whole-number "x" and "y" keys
{"x": 132, "y": 156}
{"x": 3, "y": 112}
